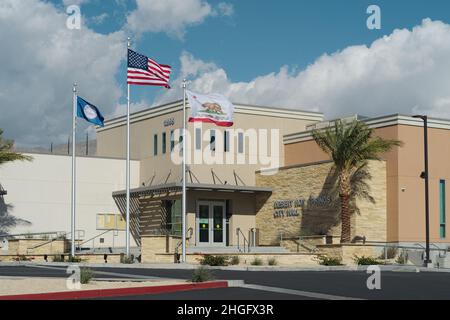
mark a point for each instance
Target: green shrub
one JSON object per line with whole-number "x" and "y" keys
{"x": 126, "y": 259}
{"x": 58, "y": 258}
{"x": 402, "y": 257}
{"x": 256, "y": 262}
{"x": 389, "y": 253}
{"x": 21, "y": 258}
{"x": 329, "y": 261}
{"x": 365, "y": 261}
{"x": 74, "y": 259}
{"x": 272, "y": 262}
{"x": 201, "y": 274}
{"x": 235, "y": 260}
{"x": 211, "y": 260}
{"x": 86, "y": 275}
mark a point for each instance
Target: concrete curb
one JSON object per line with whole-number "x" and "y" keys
{"x": 119, "y": 292}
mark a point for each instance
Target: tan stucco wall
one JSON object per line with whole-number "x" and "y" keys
{"x": 314, "y": 181}
{"x": 405, "y": 209}
{"x": 111, "y": 141}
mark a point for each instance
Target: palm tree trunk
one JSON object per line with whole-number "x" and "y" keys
{"x": 345, "y": 207}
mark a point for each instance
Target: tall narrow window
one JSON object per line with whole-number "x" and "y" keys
{"x": 172, "y": 141}
{"x": 198, "y": 139}
{"x": 442, "y": 209}
{"x": 164, "y": 142}
{"x": 226, "y": 141}
{"x": 180, "y": 141}
{"x": 212, "y": 140}
{"x": 155, "y": 145}
{"x": 241, "y": 142}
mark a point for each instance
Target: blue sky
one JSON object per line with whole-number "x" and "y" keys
{"x": 262, "y": 36}
{"x": 311, "y": 55}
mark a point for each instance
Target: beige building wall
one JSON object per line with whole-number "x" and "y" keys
{"x": 160, "y": 168}
{"x": 405, "y": 189}
{"x": 40, "y": 192}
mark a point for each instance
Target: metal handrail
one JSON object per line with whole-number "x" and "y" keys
{"x": 58, "y": 237}
{"x": 191, "y": 232}
{"x": 95, "y": 237}
{"x": 238, "y": 233}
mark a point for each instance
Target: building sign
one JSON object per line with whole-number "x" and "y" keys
{"x": 169, "y": 122}
{"x": 293, "y": 208}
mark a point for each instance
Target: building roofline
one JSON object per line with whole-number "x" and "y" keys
{"x": 378, "y": 122}
{"x": 175, "y": 106}
{"x": 38, "y": 153}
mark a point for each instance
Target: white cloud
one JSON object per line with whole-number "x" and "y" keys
{"x": 225, "y": 9}
{"x": 99, "y": 19}
{"x": 75, "y": 2}
{"x": 171, "y": 16}
{"x": 405, "y": 72}
{"x": 40, "y": 63}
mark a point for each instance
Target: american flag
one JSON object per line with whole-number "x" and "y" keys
{"x": 145, "y": 71}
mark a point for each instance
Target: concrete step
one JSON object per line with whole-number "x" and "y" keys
{"x": 235, "y": 249}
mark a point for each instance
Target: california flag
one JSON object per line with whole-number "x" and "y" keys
{"x": 212, "y": 108}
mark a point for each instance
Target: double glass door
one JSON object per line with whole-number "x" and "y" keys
{"x": 211, "y": 223}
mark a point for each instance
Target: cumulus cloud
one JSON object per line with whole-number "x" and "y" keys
{"x": 405, "y": 72}
{"x": 171, "y": 16}
{"x": 40, "y": 60}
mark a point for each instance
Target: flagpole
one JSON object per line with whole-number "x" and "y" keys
{"x": 183, "y": 218}
{"x": 74, "y": 124}
{"x": 127, "y": 240}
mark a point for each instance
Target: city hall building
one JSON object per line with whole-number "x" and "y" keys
{"x": 261, "y": 185}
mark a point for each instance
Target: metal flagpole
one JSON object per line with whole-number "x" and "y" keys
{"x": 127, "y": 240}
{"x": 183, "y": 217}
{"x": 74, "y": 124}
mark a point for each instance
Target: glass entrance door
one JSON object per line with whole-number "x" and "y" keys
{"x": 211, "y": 223}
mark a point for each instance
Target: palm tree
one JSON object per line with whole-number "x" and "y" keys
{"x": 7, "y": 153}
{"x": 350, "y": 146}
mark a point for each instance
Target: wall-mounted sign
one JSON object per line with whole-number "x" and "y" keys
{"x": 293, "y": 208}
{"x": 169, "y": 122}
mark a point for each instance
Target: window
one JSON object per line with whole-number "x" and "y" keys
{"x": 212, "y": 140}
{"x": 226, "y": 141}
{"x": 180, "y": 141}
{"x": 110, "y": 221}
{"x": 164, "y": 146}
{"x": 241, "y": 142}
{"x": 442, "y": 209}
{"x": 172, "y": 141}
{"x": 155, "y": 145}
{"x": 198, "y": 139}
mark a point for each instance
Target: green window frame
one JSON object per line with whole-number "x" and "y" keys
{"x": 164, "y": 143}
{"x": 155, "y": 145}
{"x": 442, "y": 210}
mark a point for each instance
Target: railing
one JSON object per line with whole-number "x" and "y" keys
{"x": 179, "y": 244}
{"x": 300, "y": 240}
{"x": 95, "y": 237}
{"x": 238, "y": 234}
{"x": 61, "y": 236}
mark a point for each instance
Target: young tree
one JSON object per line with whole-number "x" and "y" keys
{"x": 350, "y": 146}
{"x": 7, "y": 153}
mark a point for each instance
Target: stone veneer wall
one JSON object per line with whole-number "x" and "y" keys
{"x": 310, "y": 182}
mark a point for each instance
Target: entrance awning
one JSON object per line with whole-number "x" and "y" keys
{"x": 177, "y": 187}
{"x": 159, "y": 192}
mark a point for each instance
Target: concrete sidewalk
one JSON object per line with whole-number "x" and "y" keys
{"x": 182, "y": 266}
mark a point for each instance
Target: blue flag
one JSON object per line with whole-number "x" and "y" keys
{"x": 89, "y": 112}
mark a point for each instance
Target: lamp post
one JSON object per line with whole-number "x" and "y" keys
{"x": 425, "y": 175}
